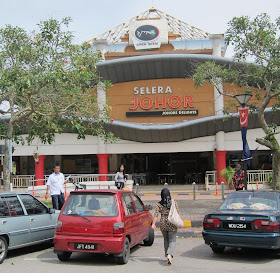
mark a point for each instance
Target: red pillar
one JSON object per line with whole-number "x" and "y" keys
{"x": 103, "y": 165}
{"x": 220, "y": 164}
{"x": 40, "y": 170}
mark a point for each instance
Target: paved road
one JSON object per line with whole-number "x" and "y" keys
{"x": 192, "y": 255}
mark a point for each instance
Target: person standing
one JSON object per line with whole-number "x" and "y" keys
{"x": 238, "y": 178}
{"x": 120, "y": 179}
{"x": 168, "y": 230}
{"x": 55, "y": 185}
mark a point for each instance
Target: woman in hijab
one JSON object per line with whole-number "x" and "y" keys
{"x": 238, "y": 178}
{"x": 168, "y": 230}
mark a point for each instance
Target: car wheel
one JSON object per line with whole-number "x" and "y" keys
{"x": 124, "y": 257}
{"x": 3, "y": 249}
{"x": 218, "y": 249}
{"x": 150, "y": 240}
{"x": 65, "y": 256}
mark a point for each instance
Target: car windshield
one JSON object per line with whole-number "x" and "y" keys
{"x": 89, "y": 205}
{"x": 251, "y": 201}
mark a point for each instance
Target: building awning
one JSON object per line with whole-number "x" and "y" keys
{"x": 209, "y": 126}
{"x": 158, "y": 66}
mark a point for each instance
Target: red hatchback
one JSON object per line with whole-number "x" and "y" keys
{"x": 102, "y": 221}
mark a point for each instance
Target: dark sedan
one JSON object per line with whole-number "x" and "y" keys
{"x": 246, "y": 219}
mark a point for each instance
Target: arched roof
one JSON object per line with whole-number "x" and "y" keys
{"x": 158, "y": 66}
{"x": 209, "y": 126}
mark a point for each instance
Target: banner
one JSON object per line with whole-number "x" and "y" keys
{"x": 244, "y": 116}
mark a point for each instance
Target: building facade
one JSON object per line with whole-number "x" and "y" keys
{"x": 168, "y": 129}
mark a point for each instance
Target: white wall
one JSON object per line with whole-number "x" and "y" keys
{"x": 68, "y": 144}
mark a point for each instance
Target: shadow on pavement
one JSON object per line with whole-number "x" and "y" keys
{"x": 245, "y": 255}
{"x": 28, "y": 250}
{"x": 89, "y": 259}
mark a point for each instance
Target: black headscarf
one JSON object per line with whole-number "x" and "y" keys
{"x": 165, "y": 198}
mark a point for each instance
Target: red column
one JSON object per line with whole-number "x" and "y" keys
{"x": 103, "y": 165}
{"x": 40, "y": 170}
{"x": 220, "y": 164}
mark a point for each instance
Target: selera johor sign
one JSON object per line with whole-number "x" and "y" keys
{"x": 146, "y": 33}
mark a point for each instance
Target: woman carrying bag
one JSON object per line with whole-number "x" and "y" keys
{"x": 168, "y": 229}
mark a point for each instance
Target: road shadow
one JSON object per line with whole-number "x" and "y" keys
{"x": 28, "y": 250}
{"x": 245, "y": 255}
{"x": 85, "y": 259}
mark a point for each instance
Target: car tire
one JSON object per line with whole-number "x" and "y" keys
{"x": 150, "y": 240}
{"x": 218, "y": 249}
{"x": 3, "y": 249}
{"x": 64, "y": 256}
{"x": 124, "y": 257}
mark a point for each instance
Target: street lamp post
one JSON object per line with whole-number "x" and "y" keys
{"x": 243, "y": 99}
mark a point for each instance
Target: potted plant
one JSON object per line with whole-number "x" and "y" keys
{"x": 228, "y": 173}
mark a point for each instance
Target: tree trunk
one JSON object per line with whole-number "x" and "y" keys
{"x": 6, "y": 168}
{"x": 276, "y": 169}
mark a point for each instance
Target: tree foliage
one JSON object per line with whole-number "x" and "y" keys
{"x": 47, "y": 84}
{"x": 255, "y": 71}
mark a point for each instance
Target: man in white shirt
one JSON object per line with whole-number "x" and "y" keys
{"x": 55, "y": 184}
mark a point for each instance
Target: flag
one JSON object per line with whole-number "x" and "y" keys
{"x": 244, "y": 115}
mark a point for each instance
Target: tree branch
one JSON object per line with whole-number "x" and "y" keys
{"x": 265, "y": 142}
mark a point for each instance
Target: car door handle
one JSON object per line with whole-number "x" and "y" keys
{"x": 32, "y": 219}
{"x": 4, "y": 222}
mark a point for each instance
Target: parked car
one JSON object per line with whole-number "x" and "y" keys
{"x": 102, "y": 221}
{"x": 246, "y": 219}
{"x": 24, "y": 221}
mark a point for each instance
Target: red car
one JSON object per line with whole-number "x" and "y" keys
{"x": 102, "y": 221}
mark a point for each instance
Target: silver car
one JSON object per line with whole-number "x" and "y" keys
{"x": 24, "y": 221}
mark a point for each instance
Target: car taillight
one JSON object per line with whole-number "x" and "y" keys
{"x": 59, "y": 226}
{"x": 266, "y": 225}
{"x": 118, "y": 228}
{"x": 211, "y": 223}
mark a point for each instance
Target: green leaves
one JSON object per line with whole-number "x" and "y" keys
{"x": 48, "y": 81}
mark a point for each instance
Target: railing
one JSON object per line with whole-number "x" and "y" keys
{"x": 24, "y": 181}
{"x": 262, "y": 176}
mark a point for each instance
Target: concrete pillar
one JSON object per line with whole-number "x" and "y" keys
{"x": 103, "y": 166}
{"x": 221, "y": 164}
{"x": 217, "y": 51}
{"x": 102, "y": 146}
{"x": 40, "y": 170}
{"x": 219, "y": 110}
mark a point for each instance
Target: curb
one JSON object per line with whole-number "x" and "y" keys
{"x": 187, "y": 223}
{"x": 183, "y": 234}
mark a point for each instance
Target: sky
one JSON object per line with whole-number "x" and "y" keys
{"x": 92, "y": 17}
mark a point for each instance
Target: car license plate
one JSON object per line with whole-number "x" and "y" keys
{"x": 84, "y": 246}
{"x": 237, "y": 226}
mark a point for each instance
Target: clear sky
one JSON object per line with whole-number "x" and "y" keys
{"x": 92, "y": 17}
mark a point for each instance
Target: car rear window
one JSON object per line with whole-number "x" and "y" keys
{"x": 89, "y": 205}
{"x": 251, "y": 201}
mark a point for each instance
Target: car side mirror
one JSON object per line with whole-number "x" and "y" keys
{"x": 148, "y": 207}
{"x": 51, "y": 211}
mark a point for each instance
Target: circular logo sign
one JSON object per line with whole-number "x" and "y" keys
{"x": 146, "y": 33}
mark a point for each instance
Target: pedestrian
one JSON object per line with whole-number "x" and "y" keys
{"x": 238, "y": 178}
{"x": 55, "y": 185}
{"x": 120, "y": 180}
{"x": 168, "y": 230}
